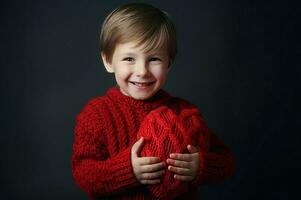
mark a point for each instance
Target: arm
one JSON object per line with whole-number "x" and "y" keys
{"x": 215, "y": 165}
{"x": 93, "y": 169}
{"x": 209, "y": 162}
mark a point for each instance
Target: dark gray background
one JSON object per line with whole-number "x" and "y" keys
{"x": 238, "y": 62}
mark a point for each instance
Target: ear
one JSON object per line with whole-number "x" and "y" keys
{"x": 169, "y": 64}
{"x": 107, "y": 64}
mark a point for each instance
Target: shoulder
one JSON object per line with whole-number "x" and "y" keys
{"x": 179, "y": 104}
{"x": 93, "y": 108}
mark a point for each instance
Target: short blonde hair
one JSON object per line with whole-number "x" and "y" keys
{"x": 140, "y": 22}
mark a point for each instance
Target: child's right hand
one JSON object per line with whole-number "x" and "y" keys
{"x": 148, "y": 170}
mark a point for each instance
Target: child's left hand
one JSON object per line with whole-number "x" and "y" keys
{"x": 184, "y": 166}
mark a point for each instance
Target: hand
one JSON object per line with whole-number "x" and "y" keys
{"x": 148, "y": 170}
{"x": 184, "y": 166}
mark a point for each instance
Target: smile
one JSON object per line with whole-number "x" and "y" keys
{"x": 142, "y": 84}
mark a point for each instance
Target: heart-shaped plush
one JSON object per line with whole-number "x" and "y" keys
{"x": 166, "y": 132}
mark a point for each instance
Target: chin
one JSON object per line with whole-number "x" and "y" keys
{"x": 141, "y": 97}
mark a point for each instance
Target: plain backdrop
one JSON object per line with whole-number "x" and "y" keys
{"x": 238, "y": 61}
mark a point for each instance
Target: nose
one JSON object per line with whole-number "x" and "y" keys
{"x": 141, "y": 70}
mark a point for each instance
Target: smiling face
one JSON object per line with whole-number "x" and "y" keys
{"x": 139, "y": 75}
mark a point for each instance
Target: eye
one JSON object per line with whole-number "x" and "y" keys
{"x": 129, "y": 59}
{"x": 154, "y": 59}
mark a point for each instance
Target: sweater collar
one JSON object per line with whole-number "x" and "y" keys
{"x": 160, "y": 98}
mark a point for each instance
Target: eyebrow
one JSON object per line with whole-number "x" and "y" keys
{"x": 128, "y": 54}
{"x": 160, "y": 53}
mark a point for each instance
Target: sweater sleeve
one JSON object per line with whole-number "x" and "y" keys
{"x": 216, "y": 162}
{"x": 215, "y": 165}
{"x": 94, "y": 171}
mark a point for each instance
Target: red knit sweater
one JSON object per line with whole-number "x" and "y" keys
{"x": 105, "y": 131}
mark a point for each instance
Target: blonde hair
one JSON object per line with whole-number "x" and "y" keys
{"x": 140, "y": 22}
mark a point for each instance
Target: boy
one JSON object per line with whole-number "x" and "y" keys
{"x": 138, "y": 45}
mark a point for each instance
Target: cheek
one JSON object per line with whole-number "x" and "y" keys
{"x": 160, "y": 74}
{"x": 122, "y": 71}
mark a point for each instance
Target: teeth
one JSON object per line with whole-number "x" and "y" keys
{"x": 141, "y": 84}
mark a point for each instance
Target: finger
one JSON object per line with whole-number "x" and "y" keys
{"x": 148, "y": 160}
{"x": 154, "y": 175}
{"x": 152, "y": 167}
{"x": 178, "y": 163}
{"x": 137, "y": 147}
{"x": 179, "y": 156}
{"x": 180, "y": 171}
{"x": 192, "y": 149}
{"x": 150, "y": 182}
{"x": 183, "y": 178}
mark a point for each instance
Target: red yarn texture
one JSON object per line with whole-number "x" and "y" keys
{"x": 105, "y": 131}
{"x": 166, "y": 132}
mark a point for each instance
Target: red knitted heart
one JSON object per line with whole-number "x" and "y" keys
{"x": 166, "y": 133}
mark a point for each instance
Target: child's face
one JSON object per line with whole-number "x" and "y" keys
{"x": 139, "y": 75}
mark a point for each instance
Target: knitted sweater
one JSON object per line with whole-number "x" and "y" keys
{"x": 105, "y": 131}
{"x": 168, "y": 132}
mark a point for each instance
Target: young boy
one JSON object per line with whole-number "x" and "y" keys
{"x": 138, "y": 45}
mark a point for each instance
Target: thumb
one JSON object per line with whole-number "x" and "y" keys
{"x": 137, "y": 147}
{"x": 192, "y": 149}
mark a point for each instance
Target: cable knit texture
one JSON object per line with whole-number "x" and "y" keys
{"x": 106, "y": 129}
{"x": 165, "y": 133}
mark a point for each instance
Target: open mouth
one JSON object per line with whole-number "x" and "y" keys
{"x": 142, "y": 84}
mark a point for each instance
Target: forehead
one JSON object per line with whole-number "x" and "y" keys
{"x": 135, "y": 48}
